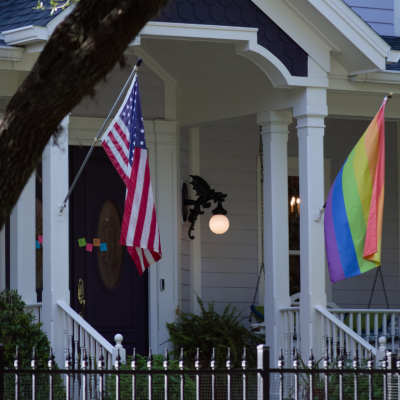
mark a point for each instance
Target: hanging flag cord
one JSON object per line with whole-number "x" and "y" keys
{"x": 96, "y": 139}
{"x": 262, "y": 268}
{"x": 378, "y": 271}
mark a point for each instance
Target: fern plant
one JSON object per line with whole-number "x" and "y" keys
{"x": 210, "y": 329}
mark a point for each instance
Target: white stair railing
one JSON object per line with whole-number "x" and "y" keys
{"x": 336, "y": 335}
{"x": 383, "y": 323}
{"x": 35, "y": 309}
{"x": 79, "y": 335}
{"x": 291, "y": 328}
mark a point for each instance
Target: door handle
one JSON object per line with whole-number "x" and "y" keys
{"x": 81, "y": 295}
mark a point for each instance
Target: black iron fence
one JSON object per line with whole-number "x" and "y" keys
{"x": 344, "y": 380}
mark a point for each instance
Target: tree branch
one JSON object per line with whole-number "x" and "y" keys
{"x": 80, "y": 53}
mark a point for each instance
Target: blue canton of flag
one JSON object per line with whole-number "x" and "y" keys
{"x": 132, "y": 117}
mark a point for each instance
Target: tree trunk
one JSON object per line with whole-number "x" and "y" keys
{"x": 80, "y": 53}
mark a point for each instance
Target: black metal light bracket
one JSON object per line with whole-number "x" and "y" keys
{"x": 206, "y": 194}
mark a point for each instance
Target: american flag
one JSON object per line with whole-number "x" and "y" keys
{"x": 125, "y": 145}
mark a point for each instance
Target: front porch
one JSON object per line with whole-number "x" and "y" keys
{"x": 207, "y": 91}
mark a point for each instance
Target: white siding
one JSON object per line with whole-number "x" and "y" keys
{"x": 378, "y": 14}
{"x": 228, "y": 160}
{"x": 185, "y": 241}
{"x": 340, "y": 138}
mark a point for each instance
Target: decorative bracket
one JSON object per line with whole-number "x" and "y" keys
{"x": 206, "y": 194}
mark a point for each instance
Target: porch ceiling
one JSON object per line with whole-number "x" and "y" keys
{"x": 193, "y": 63}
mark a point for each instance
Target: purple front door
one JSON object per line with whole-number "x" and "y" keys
{"x": 116, "y": 297}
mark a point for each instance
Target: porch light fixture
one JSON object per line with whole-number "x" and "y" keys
{"x": 293, "y": 202}
{"x": 219, "y": 223}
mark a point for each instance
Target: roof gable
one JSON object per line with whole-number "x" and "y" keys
{"x": 243, "y": 13}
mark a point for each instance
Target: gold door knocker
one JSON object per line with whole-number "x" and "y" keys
{"x": 81, "y": 296}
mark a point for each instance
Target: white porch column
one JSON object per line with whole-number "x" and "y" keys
{"x": 276, "y": 225}
{"x": 163, "y": 144}
{"x": 310, "y": 111}
{"x": 55, "y": 240}
{"x": 195, "y": 244}
{"x": 22, "y": 243}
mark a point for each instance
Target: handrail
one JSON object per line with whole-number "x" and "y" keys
{"x": 336, "y": 321}
{"x": 365, "y": 310}
{"x": 31, "y": 305}
{"x": 86, "y": 326}
{"x": 296, "y": 308}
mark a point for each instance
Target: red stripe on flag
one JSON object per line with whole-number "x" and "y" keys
{"x": 132, "y": 251}
{"x": 122, "y": 135}
{"x": 156, "y": 256}
{"x": 129, "y": 198}
{"x": 152, "y": 234}
{"x": 143, "y": 205}
{"x": 119, "y": 148}
{"x": 115, "y": 162}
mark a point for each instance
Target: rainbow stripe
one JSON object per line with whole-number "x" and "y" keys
{"x": 354, "y": 209}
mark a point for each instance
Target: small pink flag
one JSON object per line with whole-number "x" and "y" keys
{"x": 89, "y": 247}
{"x": 40, "y": 239}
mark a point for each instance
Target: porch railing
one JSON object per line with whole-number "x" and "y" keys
{"x": 337, "y": 336}
{"x": 35, "y": 309}
{"x": 371, "y": 324}
{"x": 292, "y": 339}
{"x": 80, "y": 335}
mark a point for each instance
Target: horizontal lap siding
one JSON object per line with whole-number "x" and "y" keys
{"x": 228, "y": 160}
{"x": 185, "y": 243}
{"x": 378, "y": 15}
{"x": 340, "y": 138}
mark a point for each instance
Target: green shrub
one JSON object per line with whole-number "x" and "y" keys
{"x": 17, "y": 328}
{"x": 210, "y": 329}
{"x": 142, "y": 381}
{"x": 334, "y": 387}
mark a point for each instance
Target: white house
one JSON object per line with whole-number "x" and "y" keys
{"x": 309, "y": 75}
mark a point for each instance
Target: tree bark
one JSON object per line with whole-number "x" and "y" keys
{"x": 80, "y": 53}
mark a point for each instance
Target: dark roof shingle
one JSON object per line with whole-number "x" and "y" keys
{"x": 18, "y": 13}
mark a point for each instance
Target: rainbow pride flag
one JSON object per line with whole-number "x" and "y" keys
{"x": 354, "y": 209}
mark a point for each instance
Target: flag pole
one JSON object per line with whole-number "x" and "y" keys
{"x": 96, "y": 139}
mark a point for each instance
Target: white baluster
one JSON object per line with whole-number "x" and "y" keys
{"x": 359, "y": 330}
{"x": 65, "y": 334}
{"x": 376, "y": 326}
{"x": 329, "y": 332}
{"x": 351, "y": 340}
{"x": 367, "y": 327}
{"x": 285, "y": 338}
{"x": 291, "y": 323}
{"x": 76, "y": 341}
{"x": 384, "y": 324}
{"x": 323, "y": 334}
{"x": 392, "y": 329}
{"x": 296, "y": 314}
{"x": 335, "y": 341}
{"x": 298, "y": 331}
{"x": 348, "y": 348}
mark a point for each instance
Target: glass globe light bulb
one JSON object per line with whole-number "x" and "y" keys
{"x": 219, "y": 224}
